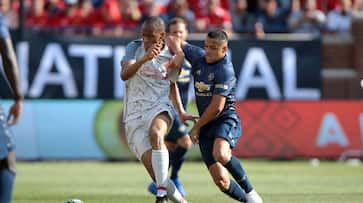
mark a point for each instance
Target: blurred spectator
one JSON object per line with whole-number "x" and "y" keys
{"x": 273, "y": 18}
{"x": 340, "y": 19}
{"x": 69, "y": 21}
{"x": 130, "y": 18}
{"x": 358, "y": 8}
{"x": 285, "y": 4}
{"x": 309, "y": 20}
{"x": 259, "y": 31}
{"x": 242, "y": 20}
{"x": 150, "y": 8}
{"x": 11, "y": 15}
{"x": 180, "y": 8}
{"x": 37, "y": 17}
{"x": 216, "y": 18}
{"x": 199, "y": 7}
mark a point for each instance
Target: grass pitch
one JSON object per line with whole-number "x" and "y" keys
{"x": 126, "y": 182}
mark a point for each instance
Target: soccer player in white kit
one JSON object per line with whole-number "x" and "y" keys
{"x": 148, "y": 68}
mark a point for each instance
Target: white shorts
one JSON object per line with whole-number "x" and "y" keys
{"x": 137, "y": 130}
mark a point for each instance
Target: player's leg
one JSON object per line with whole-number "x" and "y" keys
{"x": 160, "y": 155}
{"x": 180, "y": 133}
{"x": 7, "y": 162}
{"x": 228, "y": 133}
{"x": 218, "y": 172}
{"x": 152, "y": 188}
{"x": 172, "y": 192}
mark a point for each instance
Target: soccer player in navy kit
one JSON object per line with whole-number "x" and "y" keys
{"x": 219, "y": 127}
{"x": 7, "y": 147}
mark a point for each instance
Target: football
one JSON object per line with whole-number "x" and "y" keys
{"x": 74, "y": 201}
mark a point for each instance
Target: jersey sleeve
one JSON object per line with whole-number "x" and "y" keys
{"x": 224, "y": 80}
{"x": 193, "y": 53}
{"x": 130, "y": 52}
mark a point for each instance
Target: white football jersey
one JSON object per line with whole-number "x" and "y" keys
{"x": 150, "y": 85}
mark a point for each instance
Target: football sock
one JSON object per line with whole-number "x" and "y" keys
{"x": 235, "y": 192}
{"x": 235, "y": 168}
{"x": 7, "y": 178}
{"x": 177, "y": 159}
{"x": 160, "y": 164}
{"x": 173, "y": 193}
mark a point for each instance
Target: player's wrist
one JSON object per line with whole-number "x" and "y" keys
{"x": 18, "y": 98}
{"x": 179, "y": 53}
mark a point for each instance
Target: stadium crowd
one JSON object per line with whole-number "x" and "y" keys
{"x": 124, "y": 17}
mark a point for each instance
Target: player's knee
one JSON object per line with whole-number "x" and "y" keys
{"x": 222, "y": 156}
{"x": 156, "y": 139}
{"x": 185, "y": 142}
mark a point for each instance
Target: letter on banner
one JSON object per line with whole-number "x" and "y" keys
{"x": 54, "y": 56}
{"x": 331, "y": 132}
{"x": 291, "y": 91}
{"x": 90, "y": 54}
{"x": 256, "y": 59}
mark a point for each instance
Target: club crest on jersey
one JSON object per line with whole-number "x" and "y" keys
{"x": 211, "y": 76}
{"x": 198, "y": 72}
{"x": 202, "y": 87}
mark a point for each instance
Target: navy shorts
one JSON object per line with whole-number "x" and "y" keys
{"x": 178, "y": 130}
{"x": 6, "y": 142}
{"x": 227, "y": 127}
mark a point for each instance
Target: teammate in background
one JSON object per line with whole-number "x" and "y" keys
{"x": 148, "y": 68}
{"x": 219, "y": 127}
{"x": 7, "y": 147}
{"x": 178, "y": 141}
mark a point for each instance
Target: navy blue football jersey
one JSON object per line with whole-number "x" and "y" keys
{"x": 183, "y": 82}
{"x": 211, "y": 79}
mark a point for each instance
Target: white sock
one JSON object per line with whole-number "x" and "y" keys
{"x": 160, "y": 163}
{"x": 173, "y": 193}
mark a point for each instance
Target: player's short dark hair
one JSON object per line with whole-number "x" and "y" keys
{"x": 175, "y": 21}
{"x": 155, "y": 23}
{"x": 220, "y": 35}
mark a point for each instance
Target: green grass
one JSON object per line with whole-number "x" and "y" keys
{"x": 125, "y": 182}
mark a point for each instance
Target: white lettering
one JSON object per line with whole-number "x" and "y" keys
{"x": 290, "y": 78}
{"x": 22, "y": 52}
{"x": 90, "y": 54}
{"x": 257, "y": 60}
{"x": 54, "y": 56}
{"x": 331, "y": 132}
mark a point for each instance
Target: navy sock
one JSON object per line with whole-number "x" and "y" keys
{"x": 6, "y": 185}
{"x": 235, "y": 168}
{"x": 235, "y": 192}
{"x": 177, "y": 159}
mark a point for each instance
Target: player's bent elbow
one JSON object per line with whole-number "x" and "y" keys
{"x": 124, "y": 76}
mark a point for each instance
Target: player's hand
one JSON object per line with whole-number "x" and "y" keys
{"x": 184, "y": 117}
{"x": 15, "y": 112}
{"x": 194, "y": 135}
{"x": 153, "y": 51}
{"x": 174, "y": 44}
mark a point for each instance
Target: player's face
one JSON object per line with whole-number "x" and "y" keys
{"x": 215, "y": 50}
{"x": 4, "y": 5}
{"x": 151, "y": 37}
{"x": 178, "y": 30}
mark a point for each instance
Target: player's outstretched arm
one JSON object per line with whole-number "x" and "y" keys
{"x": 175, "y": 98}
{"x": 12, "y": 74}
